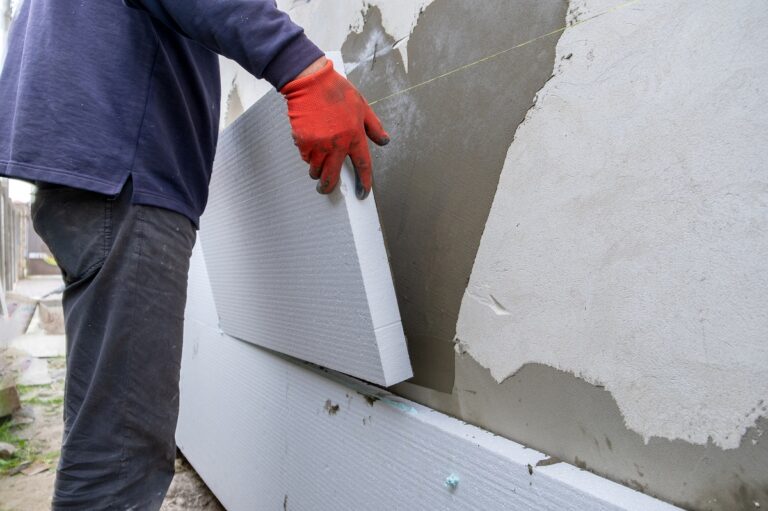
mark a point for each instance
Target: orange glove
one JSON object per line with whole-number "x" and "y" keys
{"x": 330, "y": 120}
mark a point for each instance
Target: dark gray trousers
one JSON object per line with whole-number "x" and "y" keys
{"x": 125, "y": 267}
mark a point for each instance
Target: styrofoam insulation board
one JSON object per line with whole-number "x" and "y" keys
{"x": 266, "y": 432}
{"x": 292, "y": 270}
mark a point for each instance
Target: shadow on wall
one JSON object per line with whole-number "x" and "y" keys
{"x": 436, "y": 181}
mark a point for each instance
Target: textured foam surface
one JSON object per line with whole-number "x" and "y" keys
{"x": 292, "y": 270}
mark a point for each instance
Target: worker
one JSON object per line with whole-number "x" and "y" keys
{"x": 112, "y": 108}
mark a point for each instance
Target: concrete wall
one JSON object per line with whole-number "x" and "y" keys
{"x": 614, "y": 312}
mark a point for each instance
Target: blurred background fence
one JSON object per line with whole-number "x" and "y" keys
{"x": 14, "y": 221}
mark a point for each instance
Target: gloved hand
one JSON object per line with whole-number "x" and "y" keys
{"x": 330, "y": 120}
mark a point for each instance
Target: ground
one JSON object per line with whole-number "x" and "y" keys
{"x": 26, "y": 479}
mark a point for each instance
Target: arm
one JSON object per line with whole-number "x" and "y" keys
{"x": 255, "y": 33}
{"x": 330, "y": 119}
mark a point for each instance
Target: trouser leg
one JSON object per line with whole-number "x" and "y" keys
{"x": 125, "y": 268}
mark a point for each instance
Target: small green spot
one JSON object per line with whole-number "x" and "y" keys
{"x": 452, "y": 482}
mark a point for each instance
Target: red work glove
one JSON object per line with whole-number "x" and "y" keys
{"x": 330, "y": 120}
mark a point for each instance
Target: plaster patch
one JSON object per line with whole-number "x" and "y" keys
{"x": 627, "y": 236}
{"x": 398, "y": 18}
{"x": 345, "y": 17}
{"x": 234, "y": 106}
{"x": 236, "y": 81}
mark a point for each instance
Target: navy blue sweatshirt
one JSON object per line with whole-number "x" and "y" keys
{"x": 94, "y": 92}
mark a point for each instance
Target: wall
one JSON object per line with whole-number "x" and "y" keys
{"x": 614, "y": 312}
{"x": 577, "y": 226}
{"x": 625, "y": 244}
{"x": 629, "y": 248}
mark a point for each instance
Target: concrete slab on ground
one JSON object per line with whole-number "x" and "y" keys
{"x": 20, "y": 309}
{"x": 38, "y": 286}
{"x": 41, "y": 345}
{"x": 33, "y": 371}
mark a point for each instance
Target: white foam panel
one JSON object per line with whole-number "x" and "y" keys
{"x": 269, "y": 433}
{"x": 292, "y": 270}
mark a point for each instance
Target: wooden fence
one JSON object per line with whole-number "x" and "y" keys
{"x": 14, "y": 221}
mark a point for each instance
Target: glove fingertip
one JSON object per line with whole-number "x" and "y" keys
{"x": 361, "y": 192}
{"x": 379, "y": 136}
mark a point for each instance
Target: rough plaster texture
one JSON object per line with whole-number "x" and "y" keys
{"x": 627, "y": 239}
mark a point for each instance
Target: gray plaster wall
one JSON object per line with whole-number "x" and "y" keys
{"x": 435, "y": 182}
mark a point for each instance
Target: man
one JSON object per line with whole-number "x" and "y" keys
{"x": 113, "y": 109}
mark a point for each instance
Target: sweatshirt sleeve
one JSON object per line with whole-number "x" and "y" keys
{"x": 255, "y": 33}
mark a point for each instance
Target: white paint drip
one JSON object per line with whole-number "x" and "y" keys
{"x": 627, "y": 238}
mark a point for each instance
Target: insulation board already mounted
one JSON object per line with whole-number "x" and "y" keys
{"x": 267, "y": 432}
{"x": 292, "y": 270}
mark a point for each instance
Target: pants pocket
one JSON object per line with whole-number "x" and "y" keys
{"x": 75, "y": 224}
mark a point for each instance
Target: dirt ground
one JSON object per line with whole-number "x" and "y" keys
{"x": 26, "y": 479}
{"x": 31, "y": 491}
{"x": 39, "y": 424}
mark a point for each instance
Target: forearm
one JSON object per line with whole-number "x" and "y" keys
{"x": 255, "y": 33}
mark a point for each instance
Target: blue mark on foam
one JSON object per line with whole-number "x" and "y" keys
{"x": 400, "y": 406}
{"x": 452, "y": 482}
